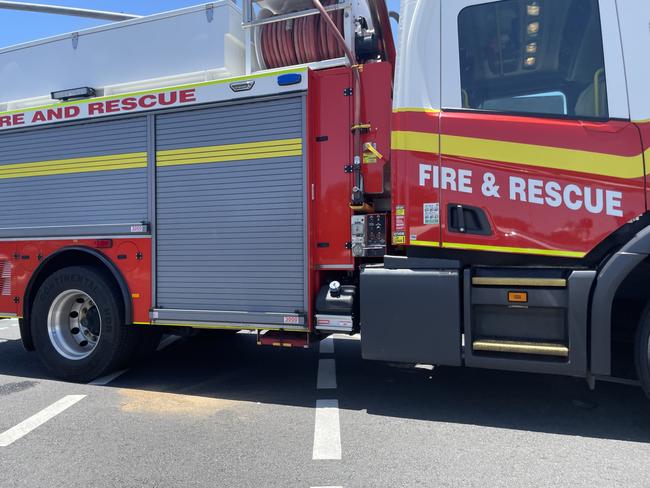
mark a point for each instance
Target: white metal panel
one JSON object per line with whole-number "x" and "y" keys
{"x": 450, "y": 76}
{"x": 165, "y": 45}
{"x": 614, "y": 66}
{"x": 417, "y": 82}
{"x": 634, "y": 19}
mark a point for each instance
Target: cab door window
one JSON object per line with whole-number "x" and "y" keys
{"x": 533, "y": 57}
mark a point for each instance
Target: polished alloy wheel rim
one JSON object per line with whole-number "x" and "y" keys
{"x": 74, "y": 324}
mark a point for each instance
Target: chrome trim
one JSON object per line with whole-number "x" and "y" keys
{"x": 537, "y": 348}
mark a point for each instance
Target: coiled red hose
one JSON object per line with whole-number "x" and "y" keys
{"x": 302, "y": 40}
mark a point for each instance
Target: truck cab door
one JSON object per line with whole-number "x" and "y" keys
{"x": 415, "y": 145}
{"x": 537, "y": 152}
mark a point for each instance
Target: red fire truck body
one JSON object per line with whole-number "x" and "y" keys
{"x": 479, "y": 200}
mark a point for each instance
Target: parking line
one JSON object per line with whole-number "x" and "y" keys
{"x": 22, "y": 429}
{"x": 327, "y": 346}
{"x": 105, "y": 380}
{"x": 327, "y": 431}
{"x": 326, "y": 379}
{"x": 167, "y": 341}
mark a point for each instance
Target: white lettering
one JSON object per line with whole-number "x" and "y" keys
{"x": 568, "y": 201}
{"x": 425, "y": 174}
{"x": 553, "y": 195}
{"x": 614, "y": 203}
{"x": 535, "y": 192}
{"x": 464, "y": 181}
{"x": 597, "y": 207}
{"x": 517, "y": 189}
{"x": 449, "y": 179}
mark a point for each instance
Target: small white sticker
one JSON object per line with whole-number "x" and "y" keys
{"x": 289, "y": 319}
{"x": 431, "y": 214}
{"x": 138, "y": 229}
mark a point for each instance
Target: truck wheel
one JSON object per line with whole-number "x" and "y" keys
{"x": 642, "y": 346}
{"x": 78, "y": 327}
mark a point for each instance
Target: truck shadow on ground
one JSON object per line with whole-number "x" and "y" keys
{"x": 233, "y": 368}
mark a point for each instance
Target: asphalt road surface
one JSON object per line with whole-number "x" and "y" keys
{"x": 226, "y": 413}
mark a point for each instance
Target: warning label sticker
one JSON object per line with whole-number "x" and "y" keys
{"x": 431, "y": 214}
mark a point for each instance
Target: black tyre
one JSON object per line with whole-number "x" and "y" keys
{"x": 642, "y": 348}
{"x": 77, "y": 324}
{"x": 148, "y": 342}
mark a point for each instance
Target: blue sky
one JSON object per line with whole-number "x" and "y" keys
{"x": 17, "y": 27}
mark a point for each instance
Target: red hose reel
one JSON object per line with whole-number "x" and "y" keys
{"x": 302, "y": 40}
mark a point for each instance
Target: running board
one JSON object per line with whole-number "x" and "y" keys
{"x": 513, "y": 347}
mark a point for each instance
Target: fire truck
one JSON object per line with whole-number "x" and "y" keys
{"x": 476, "y": 196}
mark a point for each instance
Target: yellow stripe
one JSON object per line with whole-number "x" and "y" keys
{"x": 526, "y": 154}
{"x": 74, "y": 165}
{"x": 219, "y": 326}
{"x": 230, "y": 152}
{"x": 415, "y": 141}
{"x": 158, "y": 90}
{"x": 517, "y": 250}
{"x": 544, "y": 156}
{"x": 425, "y": 243}
{"x": 417, "y": 110}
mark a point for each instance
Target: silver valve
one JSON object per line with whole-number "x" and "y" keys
{"x": 335, "y": 289}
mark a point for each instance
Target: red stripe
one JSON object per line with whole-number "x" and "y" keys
{"x": 416, "y": 122}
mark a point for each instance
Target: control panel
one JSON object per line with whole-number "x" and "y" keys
{"x": 369, "y": 235}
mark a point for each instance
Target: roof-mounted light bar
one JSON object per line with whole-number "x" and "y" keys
{"x": 74, "y": 94}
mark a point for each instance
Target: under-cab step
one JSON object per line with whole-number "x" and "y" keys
{"x": 527, "y": 319}
{"x": 515, "y": 347}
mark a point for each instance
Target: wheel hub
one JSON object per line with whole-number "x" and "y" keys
{"x": 74, "y": 324}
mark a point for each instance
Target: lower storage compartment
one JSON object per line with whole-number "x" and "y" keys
{"x": 411, "y": 316}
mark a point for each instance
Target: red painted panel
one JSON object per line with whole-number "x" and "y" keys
{"x": 376, "y": 83}
{"x": 131, "y": 256}
{"x": 543, "y": 207}
{"x": 407, "y": 196}
{"x": 7, "y": 278}
{"x": 331, "y": 150}
{"x": 644, "y": 128}
{"x": 560, "y": 163}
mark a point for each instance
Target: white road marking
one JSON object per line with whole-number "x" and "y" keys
{"x": 105, "y": 380}
{"x": 22, "y": 429}
{"x": 3, "y": 340}
{"x": 327, "y": 431}
{"x": 326, "y": 487}
{"x": 428, "y": 367}
{"x": 326, "y": 374}
{"x": 346, "y": 337}
{"x": 167, "y": 341}
{"x": 327, "y": 346}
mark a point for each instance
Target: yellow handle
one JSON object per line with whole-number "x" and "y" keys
{"x": 369, "y": 147}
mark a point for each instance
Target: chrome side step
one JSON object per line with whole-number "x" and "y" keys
{"x": 532, "y": 282}
{"x": 515, "y": 347}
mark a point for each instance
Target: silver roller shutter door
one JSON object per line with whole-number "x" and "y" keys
{"x": 231, "y": 233}
{"x": 62, "y": 177}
